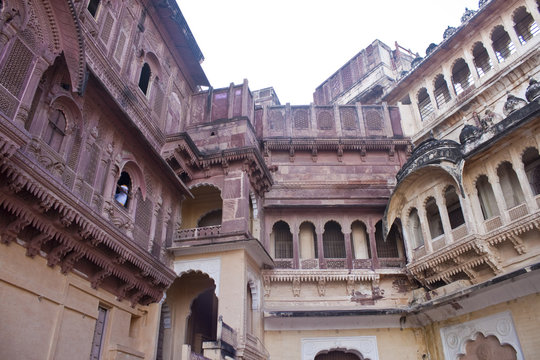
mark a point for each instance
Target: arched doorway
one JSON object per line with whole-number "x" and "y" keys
{"x": 202, "y": 322}
{"x": 191, "y": 314}
{"x": 338, "y": 355}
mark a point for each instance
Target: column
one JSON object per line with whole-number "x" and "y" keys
{"x": 348, "y": 250}
{"x": 320, "y": 248}
{"x": 425, "y": 229}
{"x": 443, "y": 212}
{"x": 235, "y": 197}
{"x": 296, "y": 251}
{"x": 373, "y": 246}
{"x": 530, "y": 198}
{"x": 499, "y": 196}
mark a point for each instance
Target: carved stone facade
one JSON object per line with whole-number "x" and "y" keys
{"x": 146, "y": 215}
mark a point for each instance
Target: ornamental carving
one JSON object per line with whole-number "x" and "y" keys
{"x": 533, "y": 91}
{"x": 468, "y": 14}
{"x": 513, "y": 104}
{"x": 449, "y": 32}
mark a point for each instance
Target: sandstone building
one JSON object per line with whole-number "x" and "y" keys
{"x": 147, "y": 215}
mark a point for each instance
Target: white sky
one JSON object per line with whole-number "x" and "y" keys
{"x": 296, "y": 45}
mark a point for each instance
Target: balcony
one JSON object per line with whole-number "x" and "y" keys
{"x": 206, "y": 235}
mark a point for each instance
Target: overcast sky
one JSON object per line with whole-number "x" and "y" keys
{"x": 295, "y": 45}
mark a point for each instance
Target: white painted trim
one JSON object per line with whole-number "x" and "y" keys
{"x": 501, "y": 325}
{"x": 211, "y": 267}
{"x": 364, "y": 345}
{"x": 255, "y": 286}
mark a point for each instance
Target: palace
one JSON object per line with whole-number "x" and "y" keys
{"x": 145, "y": 214}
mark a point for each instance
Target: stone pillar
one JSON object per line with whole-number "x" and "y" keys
{"x": 425, "y": 229}
{"x": 320, "y": 248}
{"x": 486, "y": 40}
{"x": 296, "y": 252}
{"x": 524, "y": 182}
{"x": 443, "y": 212}
{"x": 373, "y": 245}
{"x": 348, "y": 250}
{"x": 447, "y": 73}
{"x": 509, "y": 27}
{"x": 469, "y": 212}
{"x": 499, "y": 196}
{"x": 467, "y": 56}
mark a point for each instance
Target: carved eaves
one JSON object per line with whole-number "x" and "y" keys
{"x": 66, "y": 234}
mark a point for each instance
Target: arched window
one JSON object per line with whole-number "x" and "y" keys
{"x": 524, "y": 25}
{"x": 55, "y": 131}
{"x": 144, "y": 79}
{"x": 453, "y": 207}
{"x": 461, "y": 76}
{"x": 308, "y": 241}
{"x": 123, "y": 187}
{"x": 502, "y": 45}
{"x": 93, "y": 6}
{"x": 513, "y": 194}
{"x": 212, "y": 218}
{"x": 442, "y": 95}
{"x": 282, "y": 240}
{"x": 424, "y": 104}
{"x": 387, "y": 248}
{"x": 434, "y": 218}
{"x": 415, "y": 229}
{"x": 531, "y": 162}
{"x": 333, "y": 241}
{"x": 488, "y": 204}
{"x": 360, "y": 240}
{"x": 481, "y": 59}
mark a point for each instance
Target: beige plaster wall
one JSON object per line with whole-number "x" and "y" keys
{"x": 407, "y": 344}
{"x": 525, "y": 314}
{"x": 47, "y": 315}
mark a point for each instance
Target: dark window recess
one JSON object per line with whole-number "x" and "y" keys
{"x": 283, "y": 241}
{"x": 144, "y": 80}
{"x": 93, "y": 7}
{"x": 333, "y": 241}
{"x": 54, "y": 134}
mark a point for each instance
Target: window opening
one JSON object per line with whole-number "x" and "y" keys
{"x": 513, "y": 195}
{"x": 144, "y": 80}
{"x": 434, "y": 218}
{"x": 415, "y": 229}
{"x": 481, "y": 59}
{"x": 387, "y": 248}
{"x": 461, "y": 76}
{"x": 308, "y": 241}
{"x": 488, "y": 204}
{"x": 360, "y": 240}
{"x": 531, "y": 162}
{"x": 502, "y": 45}
{"x": 282, "y": 240}
{"x": 524, "y": 25}
{"x": 123, "y": 187}
{"x": 424, "y": 104}
{"x": 93, "y": 6}
{"x": 333, "y": 241}
{"x": 54, "y": 134}
{"x": 453, "y": 207}
{"x": 442, "y": 94}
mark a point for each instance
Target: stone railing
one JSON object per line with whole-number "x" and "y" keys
{"x": 518, "y": 211}
{"x": 460, "y": 232}
{"x": 200, "y": 232}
